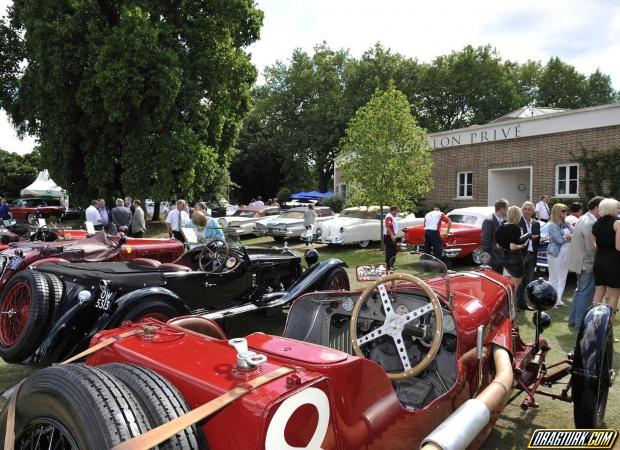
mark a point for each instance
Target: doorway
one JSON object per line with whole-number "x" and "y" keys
{"x": 513, "y": 183}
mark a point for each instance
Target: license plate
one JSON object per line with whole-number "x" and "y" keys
{"x": 14, "y": 262}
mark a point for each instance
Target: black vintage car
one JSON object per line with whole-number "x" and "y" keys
{"x": 218, "y": 280}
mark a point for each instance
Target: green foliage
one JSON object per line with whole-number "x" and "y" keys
{"x": 335, "y": 202}
{"x": 385, "y": 156}
{"x": 136, "y": 97}
{"x": 17, "y": 172}
{"x": 601, "y": 172}
{"x": 284, "y": 195}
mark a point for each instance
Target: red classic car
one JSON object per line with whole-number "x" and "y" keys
{"x": 406, "y": 362}
{"x": 31, "y": 208}
{"x": 464, "y": 239}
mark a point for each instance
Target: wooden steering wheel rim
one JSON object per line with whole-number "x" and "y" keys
{"x": 437, "y": 332}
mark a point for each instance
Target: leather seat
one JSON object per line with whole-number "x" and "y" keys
{"x": 173, "y": 266}
{"x": 200, "y": 325}
{"x": 146, "y": 262}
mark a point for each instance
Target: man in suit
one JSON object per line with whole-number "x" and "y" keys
{"x": 581, "y": 261}
{"x": 531, "y": 227}
{"x": 489, "y": 227}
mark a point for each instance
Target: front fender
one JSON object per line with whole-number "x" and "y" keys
{"x": 312, "y": 277}
{"x": 589, "y": 349}
{"x": 133, "y": 298}
{"x": 80, "y": 322}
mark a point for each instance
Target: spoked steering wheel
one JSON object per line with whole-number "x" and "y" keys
{"x": 213, "y": 256}
{"x": 395, "y": 323}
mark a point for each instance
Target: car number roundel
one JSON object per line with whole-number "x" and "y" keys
{"x": 275, "y": 439}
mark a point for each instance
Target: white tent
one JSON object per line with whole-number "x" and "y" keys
{"x": 43, "y": 186}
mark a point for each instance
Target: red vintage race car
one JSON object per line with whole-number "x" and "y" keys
{"x": 464, "y": 241}
{"x": 408, "y": 362}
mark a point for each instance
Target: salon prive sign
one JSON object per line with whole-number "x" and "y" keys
{"x": 475, "y": 136}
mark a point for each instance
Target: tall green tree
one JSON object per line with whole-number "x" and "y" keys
{"x": 305, "y": 109}
{"x": 17, "y": 172}
{"x": 561, "y": 86}
{"x": 385, "y": 157}
{"x": 142, "y": 97}
{"x": 468, "y": 87}
{"x": 600, "y": 90}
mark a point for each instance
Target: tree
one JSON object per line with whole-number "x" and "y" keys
{"x": 17, "y": 172}
{"x": 385, "y": 157}
{"x": 139, "y": 97}
{"x": 469, "y": 87}
{"x": 599, "y": 90}
{"x": 561, "y": 86}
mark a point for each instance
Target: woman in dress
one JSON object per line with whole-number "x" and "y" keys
{"x": 557, "y": 251}
{"x": 606, "y": 234}
{"x": 508, "y": 236}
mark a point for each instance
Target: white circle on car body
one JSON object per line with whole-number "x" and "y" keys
{"x": 275, "y": 439}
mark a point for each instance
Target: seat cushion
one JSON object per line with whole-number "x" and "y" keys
{"x": 199, "y": 325}
{"x": 147, "y": 262}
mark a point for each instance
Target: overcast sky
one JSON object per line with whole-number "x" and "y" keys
{"x": 585, "y": 34}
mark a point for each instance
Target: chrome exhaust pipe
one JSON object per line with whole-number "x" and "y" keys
{"x": 459, "y": 430}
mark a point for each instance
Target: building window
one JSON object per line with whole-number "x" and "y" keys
{"x": 464, "y": 185}
{"x": 342, "y": 190}
{"x": 567, "y": 180}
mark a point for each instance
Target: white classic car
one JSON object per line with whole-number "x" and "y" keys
{"x": 247, "y": 215}
{"x": 359, "y": 225}
{"x": 288, "y": 224}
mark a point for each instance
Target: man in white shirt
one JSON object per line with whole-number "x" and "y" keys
{"x": 92, "y": 214}
{"x": 176, "y": 220}
{"x": 542, "y": 209}
{"x": 432, "y": 227}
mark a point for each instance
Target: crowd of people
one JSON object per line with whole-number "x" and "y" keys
{"x": 587, "y": 244}
{"x": 198, "y": 218}
{"x": 126, "y": 216}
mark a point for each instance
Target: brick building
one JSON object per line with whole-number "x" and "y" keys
{"x": 520, "y": 156}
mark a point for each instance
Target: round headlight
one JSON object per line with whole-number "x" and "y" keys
{"x": 84, "y": 296}
{"x": 319, "y": 232}
{"x": 342, "y": 229}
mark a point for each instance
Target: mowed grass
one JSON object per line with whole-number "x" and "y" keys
{"x": 514, "y": 427}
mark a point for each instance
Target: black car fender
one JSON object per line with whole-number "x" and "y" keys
{"x": 81, "y": 321}
{"x": 591, "y": 341}
{"x": 311, "y": 278}
{"x": 128, "y": 301}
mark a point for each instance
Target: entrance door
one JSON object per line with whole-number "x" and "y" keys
{"x": 514, "y": 184}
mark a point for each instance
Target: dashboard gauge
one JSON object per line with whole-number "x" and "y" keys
{"x": 348, "y": 304}
{"x": 401, "y": 310}
{"x": 231, "y": 262}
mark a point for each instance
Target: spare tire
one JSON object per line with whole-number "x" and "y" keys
{"x": 57, "y": 293}
{"x": 74, "y": 407}
{"x": 24, "y": 314}
{"x": 160, "y": 400}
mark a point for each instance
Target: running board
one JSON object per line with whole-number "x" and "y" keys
{"x": 245, "y": 308}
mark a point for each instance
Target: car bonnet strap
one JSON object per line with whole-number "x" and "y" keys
{"x": 164, "y": 432}
{"x": 9, "y": 437}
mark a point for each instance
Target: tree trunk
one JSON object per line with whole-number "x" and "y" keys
{"x": 381, "y": 218}
{"x": 155, "y": 217}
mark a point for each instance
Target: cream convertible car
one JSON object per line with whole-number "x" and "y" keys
{"x": 359, "y": 225}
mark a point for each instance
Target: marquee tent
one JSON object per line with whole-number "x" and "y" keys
{"x": 43, "y": 186}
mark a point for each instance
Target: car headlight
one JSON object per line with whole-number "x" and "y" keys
{"x": 84, "y": 296}
{"x": 318, "y": 232}
{"x": 342, "y": 229}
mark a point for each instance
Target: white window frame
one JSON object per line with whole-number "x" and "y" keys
{"x": 458, "y": 185}
{"x": 557, "y": 180}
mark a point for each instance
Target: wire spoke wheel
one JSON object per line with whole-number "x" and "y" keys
{"x": 14, "y": 312}
{"x": 45, "y": 433}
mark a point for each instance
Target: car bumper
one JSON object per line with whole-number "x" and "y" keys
{"x": 282, "y": 233}
{"x": 329, "y": 240}
{"x": 450, "y": 252}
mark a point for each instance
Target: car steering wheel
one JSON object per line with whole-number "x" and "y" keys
{"x": 395, "y": 323}
{"x": 213, "y": 256}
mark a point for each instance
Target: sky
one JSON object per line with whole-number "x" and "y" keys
{"x": 585, "y": 34}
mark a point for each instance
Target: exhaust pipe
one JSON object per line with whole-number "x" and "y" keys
{"x": 459, "y": 430}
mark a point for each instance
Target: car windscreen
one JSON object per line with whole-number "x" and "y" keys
{"x": 357, "y": 214}
{"x": 292, "y": 215}
{"x": 463, "y": 218}
{"x": 244, "y": 213}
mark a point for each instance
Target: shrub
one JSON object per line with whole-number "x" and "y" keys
{"x": 284, "y": 195}
{"x": 335, "y": 202}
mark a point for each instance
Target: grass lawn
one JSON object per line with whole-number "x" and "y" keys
{"x": 514, "y": 427}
